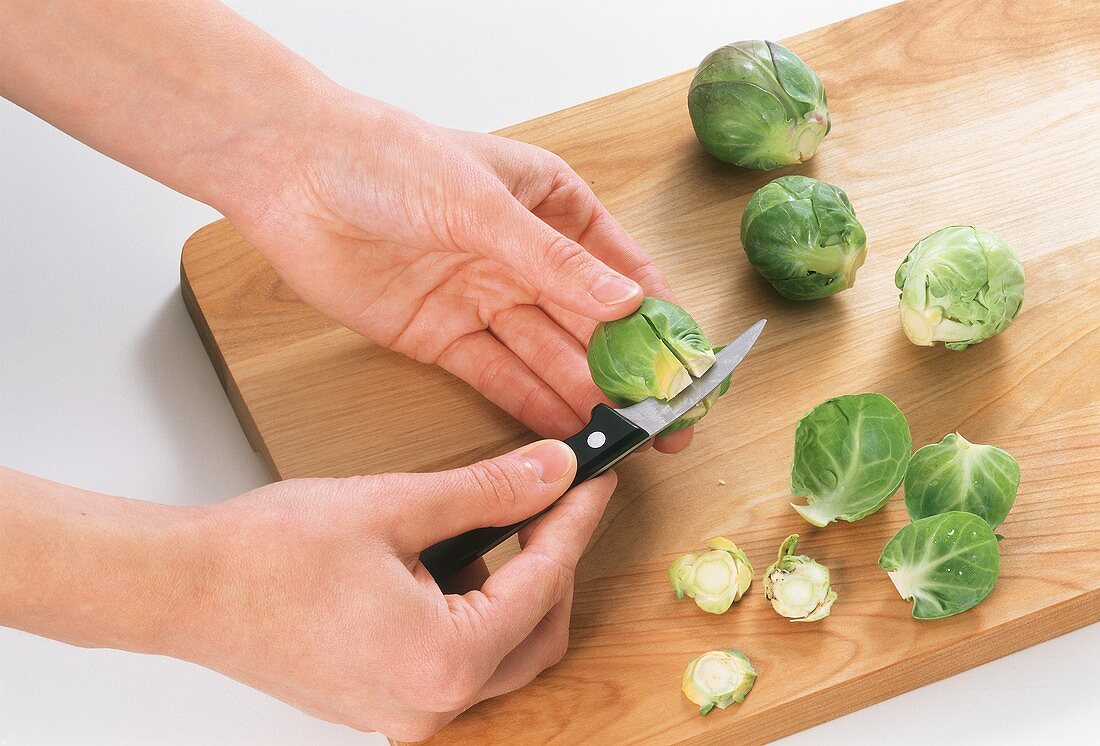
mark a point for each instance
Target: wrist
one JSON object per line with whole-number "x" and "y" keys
{"x": 251, "y": 167}
{"x": 95, "y": 570}
{"x": 277, "y": 167}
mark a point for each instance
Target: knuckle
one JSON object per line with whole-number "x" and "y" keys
{"x": 493, "y": 372}
{"x": 563, "y": 256}
{"x": 452, "y": 687}
{"x": 564, "y": 175}
{"x": 559, "y": 576}
{"x": 535, "y": 405}
{"x": 650, "y": 277}
{"x": 496, "y": 482}
{"x": 559, "y": 647}
{"x": 355, "y": 487}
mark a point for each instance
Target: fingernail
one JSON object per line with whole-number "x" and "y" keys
{"x": 613, "y": 289}
{"x": 551, "y": 460}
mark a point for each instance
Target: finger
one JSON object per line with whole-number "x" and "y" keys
{"x": 557, "y": 267}
{"x": 551, "y": 353}
{"x": 674, "y": 442}
{"x": 543, "y": 648}
{"x": 500, "y": 376}
{"x": 580, "y": 327}
{"x": 545, "y": 184}
{"x": 519, "y": 594}
{"x": 572, "y": 208}
{"x": 495, "y": 492}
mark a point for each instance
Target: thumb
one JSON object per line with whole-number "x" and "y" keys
{"x": 561, "y": 269}
{"x": 496, "y": 492}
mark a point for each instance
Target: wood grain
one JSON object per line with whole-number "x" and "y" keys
{"x": 944, "y": 113}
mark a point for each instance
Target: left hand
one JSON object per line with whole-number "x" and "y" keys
{"x": 488, "y": 257}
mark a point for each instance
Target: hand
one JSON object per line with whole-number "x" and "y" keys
{"x": 486, "y": 256}
{"x": 319, "y": 600}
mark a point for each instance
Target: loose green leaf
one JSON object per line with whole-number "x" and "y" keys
{"x": 956, "y": 474}
{"x": 945, "y": 563}
{"x": 850, "y": 455}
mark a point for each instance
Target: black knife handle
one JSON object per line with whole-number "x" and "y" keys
{"x": 606, "y": 438}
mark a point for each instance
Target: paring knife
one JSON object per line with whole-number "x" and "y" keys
{"x": 610, "y": 435}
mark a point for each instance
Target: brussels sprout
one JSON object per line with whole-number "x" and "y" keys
{"x": 959, "y": 286}
{"x": 755, "y": 104}
{"x": 797, "y": 586}
{"x": 850, "y": 455}
{"x": 715, "y": 579}
{"x": 956, "y": 474}
{"x": 946, "y": 563}
{"x": 696, "y": 413}
{"x": 718, "y": 679}
{"x": 803, "y": 236}
{"x": 655, "y": 351}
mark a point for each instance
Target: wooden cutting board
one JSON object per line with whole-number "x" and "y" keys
{"x": 944, "y": 113}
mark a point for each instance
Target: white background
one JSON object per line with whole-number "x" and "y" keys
{"x": 104, "y": 384}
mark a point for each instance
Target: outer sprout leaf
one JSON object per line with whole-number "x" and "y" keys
{"x": 798, "y": 81}
{"x": 945, "y": 563}
{"x": 956, "y": 474}
{"x": 850, "y": 455}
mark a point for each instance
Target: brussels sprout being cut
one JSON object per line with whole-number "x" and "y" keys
{"x": 945, "y": 563}
{"x": 701, "y": 409}
{"x": 755, "y": 104}
{"x": 655, "y": 351}
{"x": 715, "y": 579}
{"x": 850, "y": 455}
{"x": 718, "y": 679}
{"x": 960, "y": 286}
{"x": 803, "y": 236}
{"x": 956, "y": 474}
{"x": 797, "y": 586}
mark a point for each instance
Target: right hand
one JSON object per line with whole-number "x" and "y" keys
{"x": 317, "y": 596}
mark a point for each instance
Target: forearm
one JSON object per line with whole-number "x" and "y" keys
{"x": 188, "y": 93}
{"x": 99, "y": 571}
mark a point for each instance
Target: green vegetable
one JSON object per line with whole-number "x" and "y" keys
{"x": 850, "y": 455}
{"x": 956, "y": 474}
{"x": 803, "y": 236}
{"x": 959, "y": 286}
{"x": 655, "y": 351}
{"x": 797, "y": 586}
{"x": 715, "y": 578}
{"x": 755, "y": 104}
{"x": 718, "y": 679}
{"x": 946, "y": 563}
{"x": 700, "y": 410}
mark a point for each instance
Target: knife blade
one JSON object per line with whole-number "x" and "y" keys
{"x": 610, "y": 435}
